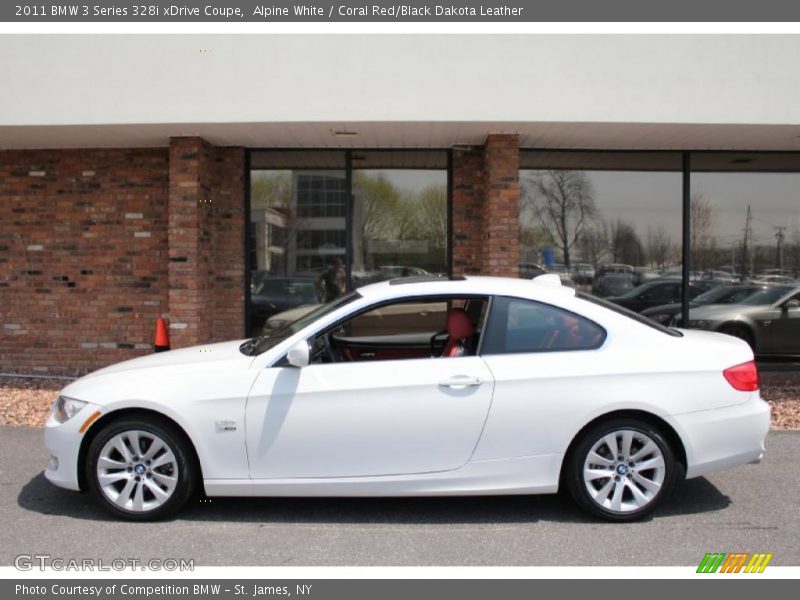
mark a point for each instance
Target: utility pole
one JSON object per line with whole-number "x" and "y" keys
{"x": 779, "y": 235}
{"x": 747, "y": 266}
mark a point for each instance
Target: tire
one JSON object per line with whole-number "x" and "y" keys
{"x": 127, "y": 483}
{"x": 741, "y": 332}
{"x": 627, "y": 493}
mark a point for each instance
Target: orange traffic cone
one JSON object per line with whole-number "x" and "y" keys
{"x": 162, "y": 337}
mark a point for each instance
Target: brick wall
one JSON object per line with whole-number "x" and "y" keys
{"x": 96, "y": 244}
{"x": 83, "y": 249}
{"x": 486, "y": 208}
{"x": 228, "y": 218}
{"x": 189, "y": 242}
{"x": 467, "y": 232}
{"x": 86, "y": 242}
{"x": 500, "y": 254}
{"x": 206, "y": 232}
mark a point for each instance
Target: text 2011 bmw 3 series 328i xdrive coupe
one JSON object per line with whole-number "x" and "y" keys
{"x": 416, "y": 387}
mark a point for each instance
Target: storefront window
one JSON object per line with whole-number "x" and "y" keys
{"x": 306, "y": 205}
{"x": 605, "y": 222}
{"x": 745, "y": 218}
{"x": 297, "y": 233}
{"x": 399, "y": 224}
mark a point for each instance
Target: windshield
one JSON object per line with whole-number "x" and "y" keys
{"x": 768, "y": 296}
{"x": 725, "y": 294}
{"x": 638, "y": 291}
{"x": 262, "y": 343}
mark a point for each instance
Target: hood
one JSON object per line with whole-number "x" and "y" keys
{"x": 154, "y": 380}
{"x": 205, "y": 357}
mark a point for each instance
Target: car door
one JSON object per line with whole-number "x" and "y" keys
{"x": 547, "y": 367}
{"x": 780, "y": 329}
{"x": 367, "y": 418}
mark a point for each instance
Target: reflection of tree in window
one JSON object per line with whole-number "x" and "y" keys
{"x": 563, "y": 204}
{"x": 398, "y": 226}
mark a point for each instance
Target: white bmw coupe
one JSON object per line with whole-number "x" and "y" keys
{"x": 416, "y": 387}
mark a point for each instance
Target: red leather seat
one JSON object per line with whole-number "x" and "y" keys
{"x": 459, "y": 333}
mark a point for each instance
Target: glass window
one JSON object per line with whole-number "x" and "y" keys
{"x": 745, "y": 219}
{"x": 604, "y": 221}
{"x": 399, "y": 215}
{"x": 517, "y": 326}
{"x": 415, "y": 328}
{"x": 297, "y": 234}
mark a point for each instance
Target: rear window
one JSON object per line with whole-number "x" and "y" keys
{"x": 517, "y": 325}
{"x": 629, "y": 313}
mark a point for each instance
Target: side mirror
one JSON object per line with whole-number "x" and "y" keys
{"x": 790, "y": 304}
{"x": 298, "y": 355}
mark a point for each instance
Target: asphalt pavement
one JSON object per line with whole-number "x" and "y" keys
{"x": 753, "y": 508}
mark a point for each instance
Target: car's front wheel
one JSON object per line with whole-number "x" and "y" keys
{"x": 621, "y": 470}
{"x": 140, "y": 468}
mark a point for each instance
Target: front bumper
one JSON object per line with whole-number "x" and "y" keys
{"x": 725, "y": 437}
{"x": 63, "y": 441}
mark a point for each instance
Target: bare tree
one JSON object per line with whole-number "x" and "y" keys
{"x": 702, "y": 241}
{"x": 594, "y": 243}
{"x": 626, "y": 247}
{"x": 563, "y": 202}
{"x": 660, "y": 249}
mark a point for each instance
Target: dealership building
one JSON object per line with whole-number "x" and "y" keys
{"x": 214, "y": 180}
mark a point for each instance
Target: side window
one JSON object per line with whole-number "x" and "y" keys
{"x": 517, "y": 326}
{"x": 418, "y": 328}
{"x": 665, "y": 293}
{"x": 396, "y": 319}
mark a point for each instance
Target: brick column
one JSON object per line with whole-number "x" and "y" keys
{"x": 500, "y": 255}
{"x": 467, "y": 173}
{"x": 228, "y": 229}
{"x": 189, "y": 242}
{"x": 206, "y": 242}
{"x": 486, "y": 208}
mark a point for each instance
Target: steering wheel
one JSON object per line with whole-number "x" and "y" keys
{"x": 433, "y": 340}
{"x": 323, "y": 350}
{"x": 327, "y": 346}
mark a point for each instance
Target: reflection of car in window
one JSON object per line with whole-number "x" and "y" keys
{"x": 271, "y": 295}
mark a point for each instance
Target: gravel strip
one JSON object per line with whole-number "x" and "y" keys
{"x": 27, "y": 401}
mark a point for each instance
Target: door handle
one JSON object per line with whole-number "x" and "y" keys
{"x": 459, "y": 382}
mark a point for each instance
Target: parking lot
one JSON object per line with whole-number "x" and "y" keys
{"x": 750, "y": 508}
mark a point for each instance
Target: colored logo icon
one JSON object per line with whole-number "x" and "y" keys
{"x": 736, "y": 562}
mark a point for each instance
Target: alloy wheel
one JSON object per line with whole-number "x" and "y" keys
{"x": 137, "y": 471}
{"x": 624, "y": 471}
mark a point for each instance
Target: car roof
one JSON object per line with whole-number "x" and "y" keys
{"x": 543, "y": 287}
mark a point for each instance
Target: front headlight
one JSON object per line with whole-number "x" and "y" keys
{"x": 65, "y": 408}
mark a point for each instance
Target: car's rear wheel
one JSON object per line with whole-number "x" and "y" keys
{"x": 140, "y": 468}
{"x": 621, "y": 470}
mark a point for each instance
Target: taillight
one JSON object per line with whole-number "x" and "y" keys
{"x": 743, "y": 377}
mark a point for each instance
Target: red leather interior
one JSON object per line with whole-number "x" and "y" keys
{"x": 459, "y": 332}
